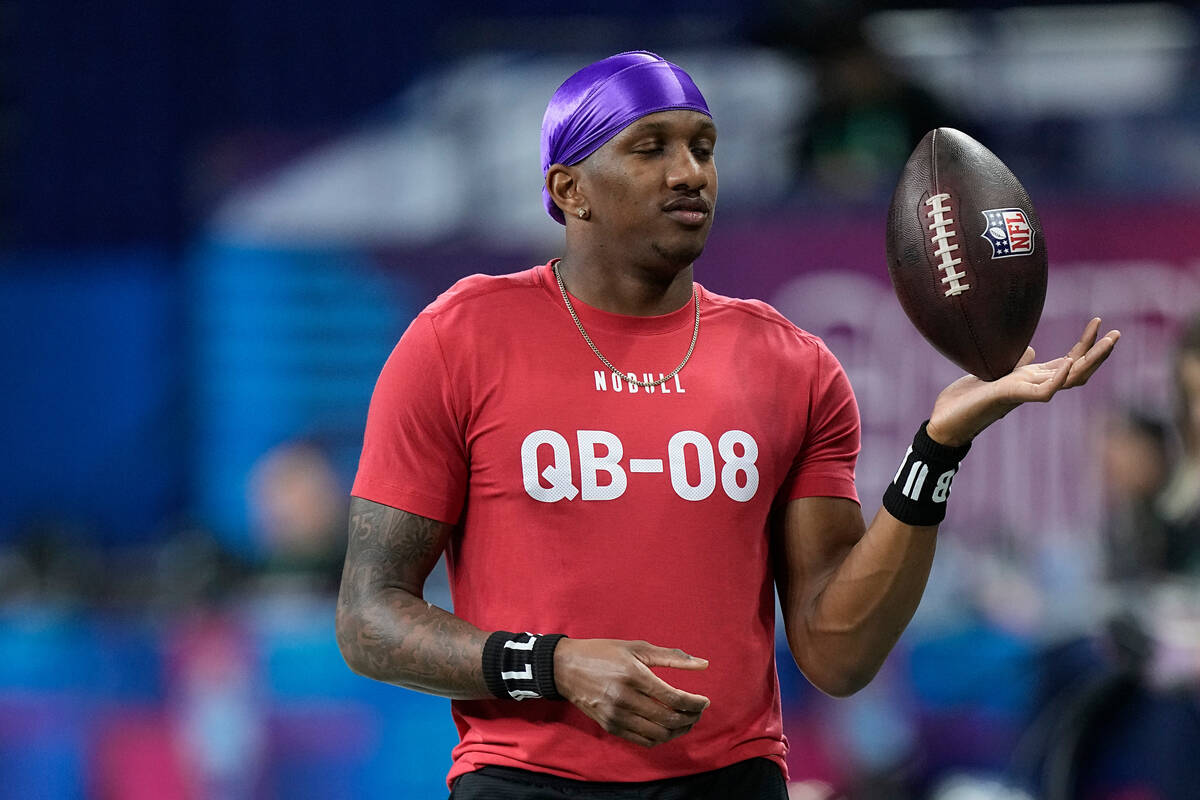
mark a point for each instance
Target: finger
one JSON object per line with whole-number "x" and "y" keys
{"x": 1096, "y": 354}
{"x": 1040, "y": 372}
{"x": 655, "y": 656}
{"x": 677, "y": 699}
{"x": 680, "y": 732}
{"x": 1091, "y": 361}
{"x": 631, "y": 736}
{"x": 1039, "y": 382}
{"x": 650, "y": 709}
{"x": 1044, "y": 391}
{"x": 626, "y": 723}
{"x": 1086, "y": 340}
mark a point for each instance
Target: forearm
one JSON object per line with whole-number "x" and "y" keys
{"x": 385, "y": 629}
{"x": 397, "y": 637}
{"x": 842, "y": 633}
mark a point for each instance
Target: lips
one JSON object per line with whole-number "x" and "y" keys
{"x": 692, "y": 211}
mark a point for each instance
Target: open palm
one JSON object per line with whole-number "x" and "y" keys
{"x": 967, "y": 406}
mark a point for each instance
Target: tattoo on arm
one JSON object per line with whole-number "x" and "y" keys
{"x": 385, "y": 629}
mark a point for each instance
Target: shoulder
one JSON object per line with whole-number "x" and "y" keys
{"x": 476, "y": 292}
{"x": 471, "y": 308}
{"x": 761, "y": 320}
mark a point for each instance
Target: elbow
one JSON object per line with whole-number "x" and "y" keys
{"x": 842, "y": 683}
{"x": 370, "y": 633}
{"x": 836, "y": 674}
{"x": 349, "y": 638}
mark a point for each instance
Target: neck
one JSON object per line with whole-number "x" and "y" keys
{"x": 631, "y": 289}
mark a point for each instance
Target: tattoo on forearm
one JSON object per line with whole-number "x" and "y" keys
{"x": 385, "y": 629}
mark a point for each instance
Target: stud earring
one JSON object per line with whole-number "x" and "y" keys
{"x": 582, "y": 212}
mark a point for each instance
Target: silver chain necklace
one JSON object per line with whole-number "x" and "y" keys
{"x": 644, "y": 384}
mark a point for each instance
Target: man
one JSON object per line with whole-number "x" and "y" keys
{"x": 624, "y": 514}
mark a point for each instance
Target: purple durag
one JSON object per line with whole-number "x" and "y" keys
{"x": 598, "y": 101}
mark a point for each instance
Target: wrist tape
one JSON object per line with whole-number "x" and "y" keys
{"x": 520, "y": 666}
{"x": 918, "y": 493}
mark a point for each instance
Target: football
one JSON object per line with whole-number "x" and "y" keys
{"x": 966, "y": 253}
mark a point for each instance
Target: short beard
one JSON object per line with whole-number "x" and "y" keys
{"x": 679, "y": 257}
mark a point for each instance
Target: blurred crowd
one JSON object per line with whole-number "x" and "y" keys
{"x": 1152, "y": 470}
{"x": 298, "y": 507}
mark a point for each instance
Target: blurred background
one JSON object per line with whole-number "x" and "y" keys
{"x": 217, "y": 217}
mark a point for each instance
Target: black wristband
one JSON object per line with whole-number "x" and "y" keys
{"x": 918, "y": 493}
{"x": 520, "y": 666}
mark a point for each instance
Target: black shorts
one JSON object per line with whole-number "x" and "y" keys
{"x": 756, "y": 779}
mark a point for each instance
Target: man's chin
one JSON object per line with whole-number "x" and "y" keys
{"x": 680, "y": 254}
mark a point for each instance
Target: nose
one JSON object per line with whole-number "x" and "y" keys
{"x": 686, "y": 172}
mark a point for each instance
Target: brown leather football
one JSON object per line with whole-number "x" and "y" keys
{"x": 966, "y": 253}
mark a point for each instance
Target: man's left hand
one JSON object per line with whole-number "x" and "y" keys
{"x": 967, "y": 406}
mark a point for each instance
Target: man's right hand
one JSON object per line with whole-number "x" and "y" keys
{"x": 610, "y": 681}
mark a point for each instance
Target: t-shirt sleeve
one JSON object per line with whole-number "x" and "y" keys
{"x": 824, "y": 466}
{"x": 414, "y": 453}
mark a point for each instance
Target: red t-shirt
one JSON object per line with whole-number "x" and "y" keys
{"x": 588, "y": 506}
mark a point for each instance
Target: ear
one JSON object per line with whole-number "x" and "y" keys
{"x": 563, "y": 185}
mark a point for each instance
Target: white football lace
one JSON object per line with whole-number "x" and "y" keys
{"x": 943, "y": 240}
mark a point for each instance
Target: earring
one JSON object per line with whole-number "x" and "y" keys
{"x": 582, "y": 212}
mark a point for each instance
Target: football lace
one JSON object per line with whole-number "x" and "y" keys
{"x": 943, "y": 240}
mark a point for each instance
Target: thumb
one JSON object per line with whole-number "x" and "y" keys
{"x": 655, "y": 656}
{"x": 1027, "y": 358}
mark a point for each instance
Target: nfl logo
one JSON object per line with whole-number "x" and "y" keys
{"x": 1009, "y": 232}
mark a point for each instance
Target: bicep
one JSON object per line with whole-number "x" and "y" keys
{"x": 390, "y": 548}
{"x": 811, "y": 540}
